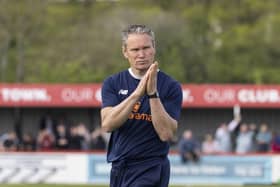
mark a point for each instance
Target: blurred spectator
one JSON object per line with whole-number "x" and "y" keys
{"x": 263, "y": 139}
{"x": 223, "y": 135}
{"x": 98, "y": 139}
{"x": 209, "y": 145}
{"x": 28, "y": 143}
{"x": 75, "y": 140}
{"x": 189, "y": 147}
{"x": 244, "y": 140}
{"x": 85, "y": 134}
{"x": 275, "y": 143}
{"x": 10, "y": 141}
{"x": 253, "y": 128}
{"x": 47, "y": 122}
{"x": 45, "y": 140}
{"x": 61, "y": 137}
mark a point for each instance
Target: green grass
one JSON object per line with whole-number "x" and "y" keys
{"x": 56, "y": 185}
{"x": 48, "y": 185}
{"x": 45, "y": 185}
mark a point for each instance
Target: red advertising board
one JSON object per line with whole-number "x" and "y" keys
{"x": 50, "y": 95}
{"x": 228, "y": 95}
{"x": 89, "y": 95}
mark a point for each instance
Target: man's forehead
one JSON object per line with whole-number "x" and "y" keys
{"x": 139, "y": 36}
{"x": 139, "y": 39}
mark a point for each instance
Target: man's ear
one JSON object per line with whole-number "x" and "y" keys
{"x": 124, "y": 51}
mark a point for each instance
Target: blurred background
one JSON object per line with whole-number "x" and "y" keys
{"x": 211, "y": 44}
{"x": 198, "y": 41}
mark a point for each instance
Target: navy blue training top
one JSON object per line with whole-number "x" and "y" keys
{"x": 137, "y": 138}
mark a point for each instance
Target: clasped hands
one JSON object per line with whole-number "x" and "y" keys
{"x": 148, "y": 84}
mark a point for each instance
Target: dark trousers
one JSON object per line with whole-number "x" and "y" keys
{"x": 152, "y": 172}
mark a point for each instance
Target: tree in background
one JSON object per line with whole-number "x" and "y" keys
{"x": 198, "y": 41}
{"x": 20, "y": 22}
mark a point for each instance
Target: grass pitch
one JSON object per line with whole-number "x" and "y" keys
{"x": 63, "y": 185}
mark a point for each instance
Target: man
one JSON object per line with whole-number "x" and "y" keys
{"x": 141, "y": 107}
{"x": 189, "y": 147}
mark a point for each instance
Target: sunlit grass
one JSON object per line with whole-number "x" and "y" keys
{"x": 80, "y": 185}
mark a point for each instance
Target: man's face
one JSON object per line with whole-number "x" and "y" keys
{"x": 139, "y": 51}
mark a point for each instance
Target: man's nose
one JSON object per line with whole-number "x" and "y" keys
{"x": 141, "y": 53}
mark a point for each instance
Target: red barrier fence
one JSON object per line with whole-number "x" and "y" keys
{"x": 88, "y": 95}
